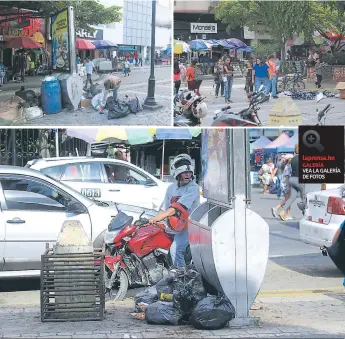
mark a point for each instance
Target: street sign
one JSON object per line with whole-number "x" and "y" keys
{"x": 200, "y": 27}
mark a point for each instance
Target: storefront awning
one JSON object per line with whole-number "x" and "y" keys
{"x": 126, "y": 48}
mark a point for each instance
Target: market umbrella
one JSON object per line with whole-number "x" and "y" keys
{"x": 22, "y": 42}
{"x": 103, "y": 44}
{"x": 177, "y": 133}
{"x": 199, "y": 45}
{"x": 237, "y": 42}
{"x": 248, "y": 49}
{"x": 83, "y": 44}
{"x": 181, "y": 47}
{"x": 133, "y": 136}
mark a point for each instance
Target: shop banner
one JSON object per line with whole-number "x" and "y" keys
{"x": 60, "y": 41}
{"x": 216, "y": 165}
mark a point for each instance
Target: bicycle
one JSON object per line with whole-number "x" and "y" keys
{"x": 294, "y": 82}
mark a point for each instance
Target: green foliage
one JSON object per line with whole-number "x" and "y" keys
{"x": 266, "y": 49}
{"x": 337, "y": 58}
{"x": 87, "y": 12}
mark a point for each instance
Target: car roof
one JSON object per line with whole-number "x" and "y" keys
{"x": 5, "y": 169}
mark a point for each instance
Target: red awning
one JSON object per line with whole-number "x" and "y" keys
{"x": 84, "y": 44}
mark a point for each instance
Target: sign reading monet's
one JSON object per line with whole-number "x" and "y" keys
{"x": 203, "y": 28}
{"x": 60, "y": 41}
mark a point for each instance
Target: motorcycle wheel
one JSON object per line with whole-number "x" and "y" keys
{"x": 119, "y": 292}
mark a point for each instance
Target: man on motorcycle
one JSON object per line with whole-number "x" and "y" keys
{"x": 180, "y": 200}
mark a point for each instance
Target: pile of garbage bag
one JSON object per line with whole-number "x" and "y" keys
{"x": 179, "y": 299}
{"x": 306, "y": 95}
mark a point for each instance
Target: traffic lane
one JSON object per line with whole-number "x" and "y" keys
{"x": 308, "y": 108}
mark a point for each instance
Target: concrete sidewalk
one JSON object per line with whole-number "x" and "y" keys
{"x": 293, "y": 315}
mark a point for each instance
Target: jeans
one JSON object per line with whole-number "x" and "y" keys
{"x": 295, "y": 187}
{"x": 220, "y": 84}
{"x": 178, "y": 248}
{"x": 318, "y": 80}
{"x": 116, "y": 90}
{"x": 88, "y": 80}
{"x": 278, "y": 185}
{"x": 272, "y": 86}
{"x": 259, "y": 81}
{"x": 228, "y": 88}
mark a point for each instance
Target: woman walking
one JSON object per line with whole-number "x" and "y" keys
{"x": 228, "y": 72}
{"x": 193, "y": 85}
{"x": 177, "y": 76}
{"x": 218, "y": 78}
{"x": 249, "y": 80}
{"x": 295, "y": 186}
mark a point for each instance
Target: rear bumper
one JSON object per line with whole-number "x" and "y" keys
{"x": 318, "y": 234}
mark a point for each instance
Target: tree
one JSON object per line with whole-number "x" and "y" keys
{"x": 329, "y": 18}
{"x": 280, "y": 19}
{"x": 87, "y": 12}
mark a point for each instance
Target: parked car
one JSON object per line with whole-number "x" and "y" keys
{"x": 324, "y": 213}
{"x": 105, "y": 179}
{"x": 33, "y": 210}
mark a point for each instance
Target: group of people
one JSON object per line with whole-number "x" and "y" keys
{"x": 284, "y": 177}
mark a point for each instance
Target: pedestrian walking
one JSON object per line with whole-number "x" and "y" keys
{"x": 177, "y": 77}
{"x": 266, "y": 174}
{"x": 89, "y": 67}
{"x": 218, "y": 78}
{"x": 193, "y": 84}
{"x": 260, "y": 74}
{"x": 126, "y": 67}
{"x": 272, "y": 77}
{"x": 295, "y": 187}
{"x": 228, "y": 71}
{"x": 318, "y": 73}
{"x": 2, "y": 73}
{"x": 141, "y": 59}
{"x": 136, "y": 59}
{"x": 284, "y": 187}
{"x": 181, "y": 198}
{"x": 249, "y": 86}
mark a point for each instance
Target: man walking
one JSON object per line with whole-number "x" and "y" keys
{"x": 89, "y": 67}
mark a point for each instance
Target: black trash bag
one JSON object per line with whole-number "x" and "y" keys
{"x": 117, "y": 109}
{"x": 95, "y": 89}
{"x": 188, "y": 290}
{"x": 212, "y": 313}
{"x": 149, "y": 296}
{"x": 165, "y": 286}
{"x": 162, "y": 313}
{"x": 337, "y": 251}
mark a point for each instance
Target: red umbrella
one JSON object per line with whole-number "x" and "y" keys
{"x": 84, "y": 44}
{"x": 22, "y": 42}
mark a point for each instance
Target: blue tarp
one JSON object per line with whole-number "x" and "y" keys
{"x": 176, "y": 133}
{"x": 289, "y": 147}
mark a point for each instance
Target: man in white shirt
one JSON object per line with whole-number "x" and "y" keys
{"x": 89, "y": 67}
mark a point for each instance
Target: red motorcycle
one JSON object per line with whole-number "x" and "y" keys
{"x": 135, "y": 254}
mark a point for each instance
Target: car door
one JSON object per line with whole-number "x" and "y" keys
{"x": 128, "y": 185}
{"x": 33, "y": 212}
{"x": 86, "y": 178}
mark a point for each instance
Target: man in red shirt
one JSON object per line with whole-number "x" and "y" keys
{"x": 136, "y": 58}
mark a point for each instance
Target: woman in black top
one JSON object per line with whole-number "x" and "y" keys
{"x": 218, "y": 78}
{"x": 249, "y": 81}
{"x": 295, "y": 186}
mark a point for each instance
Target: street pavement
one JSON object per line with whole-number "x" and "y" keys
{"x": 308, "y": 107}
{"x": 301, "y": 297}
{"x": 134, "y": 85}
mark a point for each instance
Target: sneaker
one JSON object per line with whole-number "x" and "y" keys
{"x": 274, "y": 212}
{"x": 282, "y": 217}
{"x": 216, "y": 96}
{"x": 230, "y": 102}
{"x": 289, "y": 217}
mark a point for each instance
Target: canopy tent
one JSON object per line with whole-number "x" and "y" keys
{"x": 199, "y": 45}
{"x": 259, "y": 144}
{"x": 177, "y": 133}
{"x": 236, "y": 42}
{"x": 224, "y": 43}
{"x": 166, "y": 50}
{"x": 83, "y": 44}
{"x": 280, "y": 141}
{"x": 181, "y": 47}
{"x": 289, "y": 147}
{"x": 103, "y": 44}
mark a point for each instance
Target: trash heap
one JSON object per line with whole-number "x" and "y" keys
{"x": 307, "y": 95}
{"x": 180, "y": 299}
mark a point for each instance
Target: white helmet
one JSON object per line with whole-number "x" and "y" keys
{"x": 182, "y": 163}
{"x": 200, "y": 110}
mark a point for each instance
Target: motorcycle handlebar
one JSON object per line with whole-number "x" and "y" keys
{"x": 324, "y": 110}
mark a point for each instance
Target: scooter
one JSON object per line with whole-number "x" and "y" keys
{"x": 136, "y": 254}
{"x": 185, "y": 109}
{"x": 247, "y": 117}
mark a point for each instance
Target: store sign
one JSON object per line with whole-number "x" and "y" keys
{"x": 95, "y": 35}
{"x": 202, "y": 28}
{"x": 60, "y": 41}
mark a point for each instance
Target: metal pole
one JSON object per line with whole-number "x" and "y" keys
{"x": 71, "y": 41}
{"x": 14, "y": 147}
{"x": 150, "y": 101}
{"x": 57, "y": 150}
{"x": 163, "y": 151}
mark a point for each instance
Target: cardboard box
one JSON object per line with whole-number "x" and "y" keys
{"x": 85, "y": 103}
{"x": 274, "y": 120}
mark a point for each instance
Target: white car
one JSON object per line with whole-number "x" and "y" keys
{"x": 33, "y": 210}
{"x": 325, "y": 211}
{"x": 105, "y": 179}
